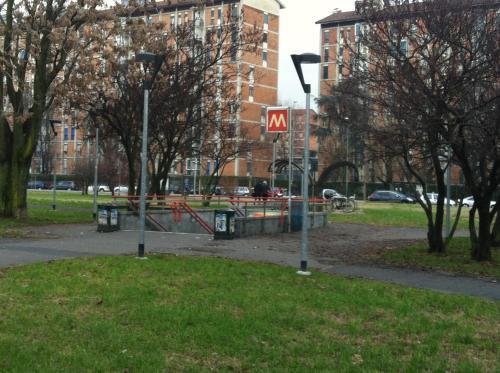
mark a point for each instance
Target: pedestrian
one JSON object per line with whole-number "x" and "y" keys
{"x": 257, "y": 190}
{"x": 265, "y": 190}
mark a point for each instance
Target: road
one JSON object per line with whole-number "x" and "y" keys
{"x": 339, "y": 249}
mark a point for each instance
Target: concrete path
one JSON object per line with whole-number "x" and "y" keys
{"x": 83, "y": 240}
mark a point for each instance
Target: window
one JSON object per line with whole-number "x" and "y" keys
{"x": 234, "y": 12}
{"x": 326, "y": 55}
{"x": 78, "y": 147}
{"x": 149, "y": 20}
{"x": 208, "y": 168}
{"x": 172, "y": 21}
{"x": 325, "y": 71}
{"x": 263, "y": 113}
{"x": 186, "y": 17}
{"x": 266, "y": 18}
{"x": 73, "y": 132}
{"x": 357, "y": 30}
{"x": 212, "y": 16}
{"x": 65, "y": 147}
{"x": 250, "y": 93}
{"x": 264, "y": 56}
{"x": 234, "y": 43}
{"x": 264, "y": 37}
{"x": 65, "y": 166}
{"x": 65, "y": 133}
{"x": 404, "y": 47}
{"x": 219, "y": 13}
{"x": 326, "y": 37}
{"x": 251, "y": 78}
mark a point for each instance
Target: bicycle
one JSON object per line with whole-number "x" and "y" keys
{"x": 345, "y": 204}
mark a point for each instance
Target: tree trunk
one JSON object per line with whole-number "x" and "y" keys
{"x": 481, "y": 249}
{"x": 495, "y": 232}
{"x": 131, "y": 173}
{"x": 13, "y": 192}
{"x": 15, "y": 159}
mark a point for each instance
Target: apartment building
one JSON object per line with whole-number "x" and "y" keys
{"x": 256, "y": 92}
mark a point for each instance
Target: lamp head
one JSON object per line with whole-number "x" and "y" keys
{"x": 151, "y": 64}
{"x": 306, "y": 58}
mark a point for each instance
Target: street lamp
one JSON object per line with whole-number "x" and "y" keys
{"x": 298, "y": 60}
{"x": 347, "y": 156}
{"x": 54, "y": 180}
{"x": 151, "y": 63}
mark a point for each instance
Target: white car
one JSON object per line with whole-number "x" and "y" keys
{"x": 433, "y": 199}
{"x": 469, "y": 202}
{"x": 121, "y": 190}
{"x": 101, "y": 188}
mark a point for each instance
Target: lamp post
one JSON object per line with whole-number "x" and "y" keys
{"x": 273, "y": 173}
{"x": 151, "y": 64}
{"x": 347, "y": 158}
{"x": 54, "y": 171}
{"x": 290, "y": 164}
{"x": 448, "y": 191}
{"x": 298, "y": 60}
{"x": 96, "y": 169}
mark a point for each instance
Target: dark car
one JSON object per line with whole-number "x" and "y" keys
{"x": 65, "y": 185}
{"x": 219, "y": 191}
{"x": 36, "y": 185}
{"x": 390, "y": 196}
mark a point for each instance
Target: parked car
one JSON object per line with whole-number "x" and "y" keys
{"x": 120, "y": 190}
{"x": 101, "y": 188}
{"x": 433, "y": 199}
{"x": 219, "y": 191}
{"x": 328, "y": 194}
{"x": 36, "y": 185}
{"x": 241, "y": 191}
{"x": 275, "y": 192}
{"x": 390, "y": 196}
{"x": 469, "y": 202}
{"x": 65, "y": 185}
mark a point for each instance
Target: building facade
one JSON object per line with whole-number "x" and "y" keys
{"x": 256, "y": 92}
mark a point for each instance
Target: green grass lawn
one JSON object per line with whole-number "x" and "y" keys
{"x": 204, "y": 314}
{"x": 456, "y": 260}
{"x": 65, "y": 199}
{"x": 43, "y": 216}
{"x": 393, "y": 214}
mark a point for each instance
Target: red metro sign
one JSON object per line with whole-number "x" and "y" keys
{"x": 277, "y": 119}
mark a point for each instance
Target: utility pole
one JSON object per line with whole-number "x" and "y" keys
{"x": 96, "y": 169}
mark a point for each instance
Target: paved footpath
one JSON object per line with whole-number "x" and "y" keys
{"x": 82, "y": 240}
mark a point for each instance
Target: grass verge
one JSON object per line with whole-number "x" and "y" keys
{"x": 42, "y": 216}
{"x": 393, "y": 214}
{"x": 203, "y": 314}
{"x": 456, "y": 260}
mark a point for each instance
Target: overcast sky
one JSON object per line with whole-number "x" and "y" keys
{"x": 299, "y": 33}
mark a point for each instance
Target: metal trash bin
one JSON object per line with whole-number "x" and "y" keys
{"x": 224, "y": 221}
{"x": 296, "y": 216}
{"x": 107, "y": 218}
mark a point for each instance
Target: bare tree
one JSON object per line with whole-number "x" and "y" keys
{"x": 40, "y": 48}
{"x": 193, "y": 92}
{"x": 430, "y": 72}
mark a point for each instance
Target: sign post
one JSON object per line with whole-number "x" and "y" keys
{"x": 276, "y": 123}
{"x": 277, "y": 120}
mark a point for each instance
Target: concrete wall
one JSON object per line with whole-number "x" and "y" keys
{"x": 244, "y": 227}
